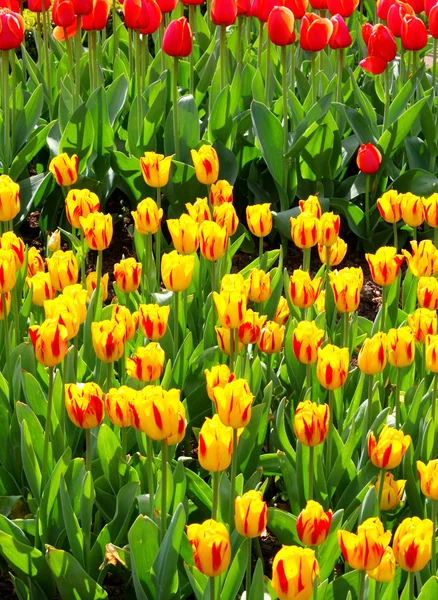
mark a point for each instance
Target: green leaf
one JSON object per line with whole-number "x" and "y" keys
{"x": 188, "y": 126}
{"x": 220, "y": 122}
{"x": 72, "y": 527}
{"x": 270, "y": 136}
{"x": 283, "y": 526}
{"x": 28, "y": 118}
{"x": 78, "y": 137}
{"x": 32, "y": 192}
{"x": 144, "y": 543}
{"x": 164, "y": 568}
{"x": 110, "y": 454}
{"x": 257, "y": 584}
{"x": 394, "y": 136}
{"x": 236, "y": 572}
{"x": 417, "y": 181}
{"x": 72, "y": 581}
{"x": 30, "y": 462}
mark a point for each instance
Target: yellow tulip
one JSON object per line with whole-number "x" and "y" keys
{"x": 9, "y": 199}
{"x": 294, "y": 571}
{"x": 401, "y": 347}
{"x": 221, "y": 192}
{"x": 389, "y": 205}
{"x": 84, "y": 404}
{"x": 250, "y": 514}
{"x": 305, "y": 230}
{"x": 332, "y": 366}
{"x": 147, "y": 217}
{"x": 259, "y": 219}
{"x": 388, "y": 451}
{"x": 64, "y": 169}
{"x": 206, "y": 163}
{"x": 364, "y": 551}
{"x": 185, "y": 234}
{"x": 311, "y": 422}
{"x": 211, "y": 547}
{"x": 177, "y": 271}
{"x": 384, "y": 265}
{"x": 423, "y": 258}
{"x": 392, "y": 491}
{"x": 372, "y": 355}
{"x": 233, "y": 403}
{"x": 413, "y": 543}
{"x": 313, "y": 524}
{"x": 215, "y": 445}
{"x": 155, "y": 169}
{"x": 80, "y": 203}
{"x": 50, "y": 342}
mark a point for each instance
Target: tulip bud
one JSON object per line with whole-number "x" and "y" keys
{"x": 122, "y": 314}
{"x": 259, "y": 219}
{"x": 303, "y": 290}
{"x": 396, "y": 13}
{"x": 65, "y": 169}
{"x": 219, "y": 376}
{"x": 413, "y": 33}
{"x": 389, "y": 206}
{"x": 385, "y": 572}
{"x": 392, "y": 491}
{"x": 54, "y": 242}
{"x": 80, "y": 203}
{"x": 9, "y": 191}
{"x": 177, "y": 271}
{"x": 250, "y": 514}
{"x": 155, "y": 17}
{"x": 332, "y": 366}
{"x": 368, "y": 159}
{"x": 305, "y": 230}
{"x": 159, "y": 413}
{"x": 381, "y": 43}
{"x": 127, "y": 274}
{"x": 282, "y": 313}
{"x": 225, "y": 216}
{"x": 315, "y": 32}
{"x": 83, "y": 7}
{"x": 199, "y": 211}
{"x": 383, "y": 7}
{"x": 427, "y": 293}
{"x": 428, "y": 478}
{"x": 423, "y": 322}
{"x": 50, "y": 342}
{"x": 155, "y": 169}
{"x": 98, "y": 230}
{"x": 346, "y": 285}
{"x": 423, "y": 262}
{"x": 294, "y": 571}
{"x": 311, "y": 206}
{"x": 63, "y": 311}
{"x": 271, "y": 338}
{"x": 12, "y": 29}
{"x": 233, "y": 403}
{"x": 84, "y": 404}
{"x": 412, "y": 543}
{"x": 251, "y": 328}
{"x": 213, "y": 240}
{"x": 35, "y": 262}
{"x": 231, "y": 308}
{"x": 223, "y": 12}
{"x": 307, "y": 338}
{"x": 330, "y": 225}
{"x": 388, "y": 451}
{"x": 432, "y": 353}
{"x": 7, "y": 270}
{"x": 211, "y": 547}
{"x": 364, "y": 551}
{"x": 298, "y": 7}
{"x": 185, "y": 234}
{"x": 372, "y": 355}
{"x": 91, "y": 283}
{"x": 341, "y": 37}
{"x": 147, "y": 217}
{"x": 433, "y": 21}
{"x": 401, "y": 346}
{"x": 221, "y": 192}
{"x": 206, "y": 163}
{"x": 147, "y": 363}
{"x": 336, "y": 252}
{"x": 63, "y": 13}
{"x": 384, "y": 265}
{"x": 430, "y": 206}
{"x": 345, "y": 8}
{"x": 311, "y": 422}
{"x": 153, "y": 320}
{"x": 76, "y": 295}
{"x": 136, "y": 14}
{"x": 117, "y": 404}
{"x": 107, "y": 337}
{"x": 234, "y": 282}
{"x": 224, "y": 340}
{"x": 281, "y": 23}
{"x": 177, "y": 40}
{"x": 313, "y": 524}
{"x": 215, "y": 445}
{"x": 9, "y": 241}
{"x": 97, "y": 19}
{"x": 412, "y": 209}
{"x": 259, "y": 286}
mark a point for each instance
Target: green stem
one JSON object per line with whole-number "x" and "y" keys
{"x": 213, "y": 276}
{"x": 99, "y": 277}
{"x": 176, "y": 298}
{"x": 160, "y": 45}
{"x": 158, "y": 246}
{"x": 248, "y": 567}
{"x": 88, "y": 450}
{"x": 45, "y": 466}
{"x": 175, "y": 107}
{"x": 163, "y": 516}
{"x": 83, "y": 259}
{"x": 260, "y": 48}
{"x": 115, "y": 48}
{"x": 308, "y": 378}
{"x": 285, "y": 119}
{"x": 109, "y": 376}
{"x": 306, "y": 259}
{"x": 232, "y": 350}
{"x": 38, "y": 40}
{"x": 370, "y": 404}
{"x": 361, "y": 594}
{"x": 215, "y": 506}
{"x": 387, "y": 98}
{"x": 93, "y": 59}
{"x": 434, "y": 70}
{"x": 150, "y": 474}
{"x": 268, "y": 71}
{"x": 292, "y": 70}
{"x": 70, "y": 63}
{"x": 78, "y": 46}
{"x": 269, "y": 367}
{"x": 14, "y": 101}
{"x": 7, "y": 350}
{"x": 313, "y": 77}
{"x": 402, "y": 65}
{"x": 223, "y": 56}
{"x": 411, "y": 582}
{"x": 239, "y": 42}
{"x": 367, "y": 206}
{"x": 345, "y": 340}
{"x": 191, "y": 58}
{"x": 383, "y": 308}
{"x": 138, "y": 78}
{"x": 311, "y": 471}
{"x": 395, "y": 230}
{"x": 233, "y": 480}
{"x": 16, "y": 315}
{"x": 212, "y": 588}
{"x": 46, "y": 27}
{"x": 377, "y": 589}
{"x": 330, "y": 432}
{"x": 340, "y": 56}
{"x": 124, "y": 440}
{"x": 381, "y": 486}
{"x": 434, "y": 403}
{"x": 5, "y": 105}
{"x": 397, "y": 397}
{"x": 131, "y": 56}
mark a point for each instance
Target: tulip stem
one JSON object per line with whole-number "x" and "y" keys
{"x": 163, "y": 489}
{"x": 285, "y": 120}
{"x": 313, "y": 77}
{"x": 370, "y": 404}
{"x": 394, "y": 226}
{"x": 175, "y": 107}
{"x": 248, "y": 567}
{"x": 92, "y": 59}
{"x": 367, "y": 206}
{"x": 383, "y": 308}
{"x": 268, "y": 71}
{"x": 38, "y": 39}
{"x": 380, "y": 494}
{"x": 14, "y": 101}
{"x": 268, "y": 368}
{"x": 88, "y": 450}
{"x": 47, "y": 55}
{"x": 345, "y": 341}
{"x": 340, "y": 55}
{"x": 387, "y": 99}
{"x": 233, "y": 479}
{"x": 434, "y": 70}
{"x": 69, "y": 58}
{"x": 191, "y": 64}
{"x": 16, "y": 315}
{"x": 139, "y": 85}
{"x": 109, "y": 376}
{"x": 361, "y": 594}
{"x": 48, "y": 427}
{"x": 83, "y": 258}
{"x": 434, "y": 401}
{"x": 158, "y": 245}
{"x": 306, "y": 259}
{"x": 114, "y": 15}
{"x": 7, "y": 348}
{"x": 377, "y": 588}
{"x": 260, "y": 48}
{"x": 98, "y": 280}
{"x": 78, "y": 48}
{"x": 150, "y": 474}
{"x": 330, "y": 433}
{"x": 397, "y": 397}
{"x": 213, "y": 277}
{"x": 212, "y": 588}
{"x": 223, "y": 56}
{"x": 124, "y": 441}
{"x": 239, "y": 42}
{"x": 5, "y": 106}
{"x": 311, "y": 471}
{"x": 215, "y": 506}
{"x": 175, "y": 324}
{"x": 411, "y": 585}
{"x": 308, "y": 379}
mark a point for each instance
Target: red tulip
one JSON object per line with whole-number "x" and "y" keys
{"x": 345, "y": 8}
{"x": 368, "y": 159}
{"x": 340, "y": 37}
{"x": 382, "y": 8}
{"x": 63, "y": 13}
{"x": 319, "y": 4}
{"x": 367, "y": 30}
{"x": 395, "y": 16}
{"x": 281, "y": 24}
{"x": 413, "y": 33}
{"x": 417, "y": 5}
{"x": 13, "y": 5}
{"x": 167, "y": 6}
{"x": 433, "y": 21}
{"x": 36, "y": 6}
{"x": 298, "y": 7}
{"x": 136, "y": 14}
{"x": 262, "y": 8}
{"x": 155, "y": 17}
{"x": 315, "y": 32}
{"x": 428, "y": 5}
{"x": 177, "y": 39}
{"x": 224, "y": 12}
{"x": 98, "y": 17}
{"x": 83, "y": 7}
{"x": 381, "y": 43}
{"x": 11, "y": 29}
{"x": 59, "y": 32}
{"x": 193, "y": 2}
{"x": 373, "y": 64}
{"x": 244, "y": 7}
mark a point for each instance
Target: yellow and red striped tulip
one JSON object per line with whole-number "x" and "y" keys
{"x": 282, "y": 312}
{"x": 122, "y": 314}
{"x": 307, "y": 339}
{"x": 305, "y": 230}
{"x": 427, "y": 293}
{"x": 423, "y": 322}
{"x": 401, "y": 347}
{"x": 223, "y": 335}
{"x": 431, "y": 210}
{"x": 84, "y": 404}
{"x": 251, "y": 327}
{"x": 384, "y": 265}
{"x": 147, "y": 217}
{"x": 7, "y": 271}
{"x": 311, "y": 206}
{"x": 221, "y": 192}
{"x": 199, "y": 211}
{"x": 364, "y": 551}
{"x": 159, "y": 413}
{"x": 303, "y": 290}
{"x": 127, "y": 274}
{"x": 147, "y": 363}
{"x": 80, "y": 203}
{"x": 259, "y": 286}
{"x": 413, "y": 543}
{"x": 64, "y": 169}
{"x": 215, "y": 445}
{"x": 294, "y": 571}
{"x": 211, "y": 547}
{"x": 155, "y": 169}
{"x": 423, "y": 258}
{"x": 387, "y": 452}
{"x": 9, "y": 241}
{"x": 213, "y": 240}
{"x": 385, "y": 571}
{"x": 231, "y": 308}
{"x": 42, "y": 288}
{"x": 428, "y": 478}
{"x": 250, "y": 514}
{"x": 233, "y": 403}
{"x": 219, "y": 376}
{"x": 330, "y": 225}
{"x": 313, "y": 524}
{"x": 177, "y": 271}
{"x": 259, "y": 219}
{"x": 412, "y": 209}
{"x": 184, "y": 233}
{"x": 63, "y": 269}
{"x": 9, "y": 199}
{"x": 372, "y": 355}
{"x": 50, "y": 342}
{"x": 271, "y": 338}
{"x": 35, "y": 262}
{"x": 311, "y": 422}
{"x": 206, "y": 163}
{"x": 225, "y": 215}
{"x": 117, "y": 402}
{"x": 76, "y": 295}
{"x": 98, "y": 230}
{"x": 389, "y": 205}
{"x": 392, "y": 491}
{"x": 336, "y": 252}
{"x": 65, "y": 312}
{"x": 108, "y": 340}
{"x": 347, "y": 285}
{"x": 153, "y": 320}
{"x": 332, "y": 366}
{"x": 91, "y": 283}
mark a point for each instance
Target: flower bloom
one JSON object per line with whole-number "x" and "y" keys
{"x": 9, "y": 241}
{"x": 282, "y": 312}
{"x": 185, "y": 234}
{"x": 233, "y": 403}
{"x": 303, "y": 290}
{"x": 385, "y": 571}
{"x": 412, "y": 209}
{"x": 432, "y": 353}
{"x": 219, "y": 376}
{"x": 431, "y": 210}
{"x": 155, "y": 169}
{"x": 50, "y": 342}
{"x": 12, "y": 29}
{"x": 97, "y": 19}
{"x": 153, "y": 320}
{"x": 63, "y": 13}
{"x": 294, "y": 571}
{"x": 428, "y": 478}
{"x": 396, "y": 13}
{"x": 372, "y": 355}
{"x": 91, "y": 283}
{"x": 271, "y": 338}
{"x": 388, "y": 451}
{"x": 225, "y": 215}
{"x": 341, "y": 37}
{"x": 332, "y": 366}
{"x": 199, "y": 211}
{"x": 281, "y": 23}
{"x": 221, "y": 192}
{"x": 251, "y": 327}
{"x": 345, "y": 8}
{"x": 215, "y": 445}
{"x": 147, "y": 217}
{"x": 401, "y": 346}
{"x": 311, "y": 206}
{"x": 206, "y": 163}
{"x": 365, "y": 550}
{"x": 35, "y": 262}
{"x": 223, "y": 12}
{"x": 80, "y": 203}
{"x": 347, "y": 285}
{"x": 7, "y": 271}
{"x": 177, "y": 271}
{"x": 213, "y": 240}
{"x": 382, "y": 49}
{"x": 117, "y": 402}
{"x": 427, "y": 293}
{"x": 413, "y": 543}
{"x": 77, "y": 296}
{"x": 84, "y": 404}
{"x": 384, "y": 265}
{"x": 64, "y": 311}
{"x": 108, "y": 340}
{"x": 147, "y": 363}
{"x": 122, "y": 314}
{"x": 211, "y": 547}
{"x": 223, "y": 335}
{"x": 330, "y": 225}
{"x": 423, "y": 262}
{"x": 259, "y": 286}
{"x": 98, "y": 230}
{"x": 389, "y": 205}
{"x": 54, "y": 242}
{"x": 259, "y": 219}
{"x": 413, "y": 33}
{"x": 65, "y": 169}
{"x": 313, "y": 524}
{"x": 159, "y": 413}
{"x": 9, "y": 198}
{"x": 311, "y": 422}
{"x": 368, "y": 159}
{"x": 127, "y": 274}
{"x": 305, "y": 230}
{"x": 250, "y": 514}
{"x": 392, "y": 491}
{"x": 336, "y": 252}
{"x": 423, "y": 322}
{"x": 315, "y": 32}
{"x": 307, "y": 339}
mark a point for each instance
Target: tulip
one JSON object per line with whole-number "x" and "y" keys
{"x": 259, "y": 219}
{"x": 418, "y": 6}
{"x": 294, "y": 571}
{"x": 155, "y": 17}
{"x": 167, "y": 6}
{"x": 159, "y": 413}
{"x": 297, "y": 7}
{"x": 271, "y": 338}
{"x": 427, "y": 293}
{"x": 401, "y": 346}
{"x": 368, "y": 159}
{"x": 185, "y": 234}
{"x": 413, "y": 544}
{"x": 311, "y": 423}
{"x": 384, "y": 265}
{"x": 428, "y": 478}
{"x": 330, "y": 225}
{"x": 372, "y": 355}
{"x": 311, "y": 206}
{"x": 98, "y": 230}
{"x": 250, "y": 514}
{"x": 432, "y": 353}
{"x": 219, "y": 376}
{"x": 63, "y": 13}
{"x": 233, "y": 403}
{"x": 215, "y": 445}
{"x": 251, "y": 328}
{"x": 84, "y": 404}
{"x": 281, "y": 23}
{"x": 225, "y": 216}
{"x": 35, "y": 262}
{"x": 147, "y": 363}
{"x": 91, "y": 283}
{"x": 307, "y": 338}
{"x": 313, "y": 524}
{"x": 231, "y": 308}
{"x": 282, "y": 312}
{"x": 80, "y": 203}
{"x": 12, "y": 29}
{"x": 153, "y": 320}
{"x": 388, "y": 451}
{"x": 76, "y": 295}
{"x": 223, "y": 12}
{"x": 244, "y": 8}
{"x": 97, "y": 19}
{"x": 344, "y": 8}
{"x": 107, "y": 337}
{"x": 127, "y": 274}
{"x": 320, "y": 303}
{"x": 381, "y": 43}
{"x": 315, "y": 32}
{"x": 211, "y": 547}
{"x": 303, "y": 290}
{"x": 305, "y": 230}
{"x": 364, "y": 550}
{"x": 430, "y": 206}
{"x": 63, "y": 311}
{"x": 423, "y": 262}
{"x": 5, "y": 302}
{"x": 65, "y": 169}
{"x": 54, "y": 242}
{"x": 259, "y": 286}
{"x": 261, "y": 9}
{"x": 147, "y": 217}
{"x": 373, "y": 64}
{"x": 199, "y": 211}
{"x": 213, "y": 240}
{"x": 336, "y": 252}
{"x": 177, "y": 271}
{"x": 83, "y": 7}
{"x": 9, "y": 241}
{"x": 117, "y": 404}
{"x": 155, "y": 169}
{"x": 206, "y": 163}
{"x": 341, "y": 37}
{"x": 423, "y": 322}
{"x": 234, "y": 282}
{"x": 347, "y": 285}
{"x": 413, "y": 33}
{"x": 7, "y": 270}
{"x": 389, "y": 205}
{"x": 224, "y": 340}
{"x": 396, "y": 14}
{"x": 177, "y": 40}
{"x": 136, "y": 14}
{"x": 9, "y": 195}
{"x": 385, "y": 571}
{"x": 50, "y": 342}
{"x": 392, "y": 491}
{"x": 319, "y": 4}
{"x": 332, "y": 366}
{"x": 122, "y": 314}
{"x": 433, "y": 22}
{"x": 412, "y": 209}
{"x": 221, "y": 192}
